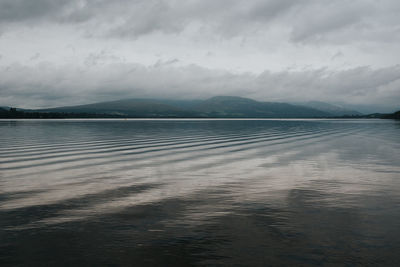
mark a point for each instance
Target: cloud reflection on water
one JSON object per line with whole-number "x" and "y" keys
{"x": 280, "y": 186}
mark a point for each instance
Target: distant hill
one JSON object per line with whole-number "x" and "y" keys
{"x": 395, "y": 115}
{"x": 239, "y": 107}
{"x": 215, "y": 107}
{"x": 331, "y": 109}
{"x": 138, "y": 108}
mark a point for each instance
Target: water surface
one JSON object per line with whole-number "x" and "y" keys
{"x": 199, "y": 192}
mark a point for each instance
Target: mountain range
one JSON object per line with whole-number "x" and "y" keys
{"x": 215, "y": 107}
{"x": 331, "y": 109}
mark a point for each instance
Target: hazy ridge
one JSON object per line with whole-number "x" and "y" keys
{"x": 215, "y": 107}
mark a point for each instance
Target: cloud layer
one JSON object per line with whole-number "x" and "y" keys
{"x": 306, "y": 21}
{"x": 67, "y": 85}
{"x": 58, "y": 52}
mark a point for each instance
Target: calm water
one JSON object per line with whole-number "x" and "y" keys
{"x": 200, "y": 192}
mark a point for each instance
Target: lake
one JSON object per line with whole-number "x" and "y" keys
{"x": 199, "y": 192}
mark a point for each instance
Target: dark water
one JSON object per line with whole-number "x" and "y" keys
{"x": 200, "y": 192}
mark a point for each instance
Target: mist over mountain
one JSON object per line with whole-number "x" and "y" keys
{"x": 371, "y": 108}
{"x": 330, "y": 108}
{"x": 215, "y": 107}
{"x": 145, "y": 108}
{"x": 232, "y": 106}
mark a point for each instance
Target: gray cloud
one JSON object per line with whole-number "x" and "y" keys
{"x": 24, "y": 10}
{"x": 336, "y": 21}
{"x": 48, "y": 85}
{"x": 58, "y": 52}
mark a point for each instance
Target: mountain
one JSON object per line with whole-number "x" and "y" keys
{"x": 395, "y": 115}
{"x": 138, "y": 108}
{"x": 8, "y": 108}
{"x": 331, "y": 109}
{"x": 215, "y": 107}
{"x": 370, "y": 108}
{"x": 239, "y": 107}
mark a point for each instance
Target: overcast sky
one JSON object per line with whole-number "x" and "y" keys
{"x": 65, "y": 52}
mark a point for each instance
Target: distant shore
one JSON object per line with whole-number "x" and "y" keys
{"x": 13, "y": 113}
